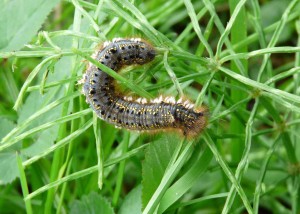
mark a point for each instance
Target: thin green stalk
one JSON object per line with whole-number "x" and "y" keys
{"x": 257, "y": 85}
{"x": 242, "y": 166}
{"x": 121, "y": 170}
{"x": 48, "y": 125}
{"x": 96, "y": 122}
{"x": 59, "y": 154}
{"x": 275, "y": 36}
{"x": 259, "y": 52}
{"x": 207, "y": 33}
{"x": 138, "y": 20}
{"x": 175, "y": 154}
{"x": 163, "y": 11}
{"x": 290, "y": 148}
{"x": 167, "y": 179}
{"x": 84, "y": 172}
{"x": 229, "y": 110}
{"x": 295, "y": 190}
{"x": 219, "y": 25}
{"x": 281, "y": 128}
{"x": 172, "y": 75}
{"x": 68, "y": 161}
{"x": 228, "y": 172}
{"x": 260, "y": 32}
{"x": 30, "y": 77}
{"x": 40, "y": 53}
{"x": 258, "y": 24}
{"x": 235, "y": 16}
{"x": 193, "y": 17}
{"x": 281, "y": 102}
{"x": 43, "y": 81}
{"x": 296, "y": 179}
{"x": 204, "y": 89}
{"x": 99, "y": 149}
{"x": 64, "y": 188}
{"x": 53, "y": 84}
{"x": 263, "y": 171}
{"x": 189, "y": 27}
{"x": 186, "y": 181}
{"x": 24, "y": 184}
{"x": 6, "y": 141}
{"x": 292, "y": 71}
{"x": 91, "y": 20}
{"x": 198, "y": 200}
{"x": 254, "y": 37}
{"x": 50, "y": 42}
{"x": 75, "y": 34}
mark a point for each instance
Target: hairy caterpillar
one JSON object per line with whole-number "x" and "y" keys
{"x": 139, "y": 114}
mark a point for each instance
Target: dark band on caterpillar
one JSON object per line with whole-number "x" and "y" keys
{"x": 139, "y": 114}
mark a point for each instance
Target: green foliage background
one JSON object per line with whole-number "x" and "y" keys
{"x": 239, "y": 58}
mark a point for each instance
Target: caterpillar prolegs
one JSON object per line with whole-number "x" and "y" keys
{"x": 139, "y": 114}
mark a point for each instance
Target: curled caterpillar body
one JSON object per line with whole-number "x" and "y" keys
{"x": 124, "y": 112}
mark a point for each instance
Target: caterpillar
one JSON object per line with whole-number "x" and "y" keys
{"x": 136, "y": 114}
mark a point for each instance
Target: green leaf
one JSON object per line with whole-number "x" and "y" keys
{"x": 8, "y": 163}
{"x": 157, "y": 159}
{"x": 20, "y": 20}
{"x": 43, "y": 141}
{"x": 132, "y": 202}
{"x": 92, "y": 203}
{"x": 182, "y": 185}
{"x": 35, "y": 101}
{"x": 8, "y": 167}
{"x": 5, "y": 127}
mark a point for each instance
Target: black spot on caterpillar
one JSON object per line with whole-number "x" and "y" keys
{"x": 139, "y": 114}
